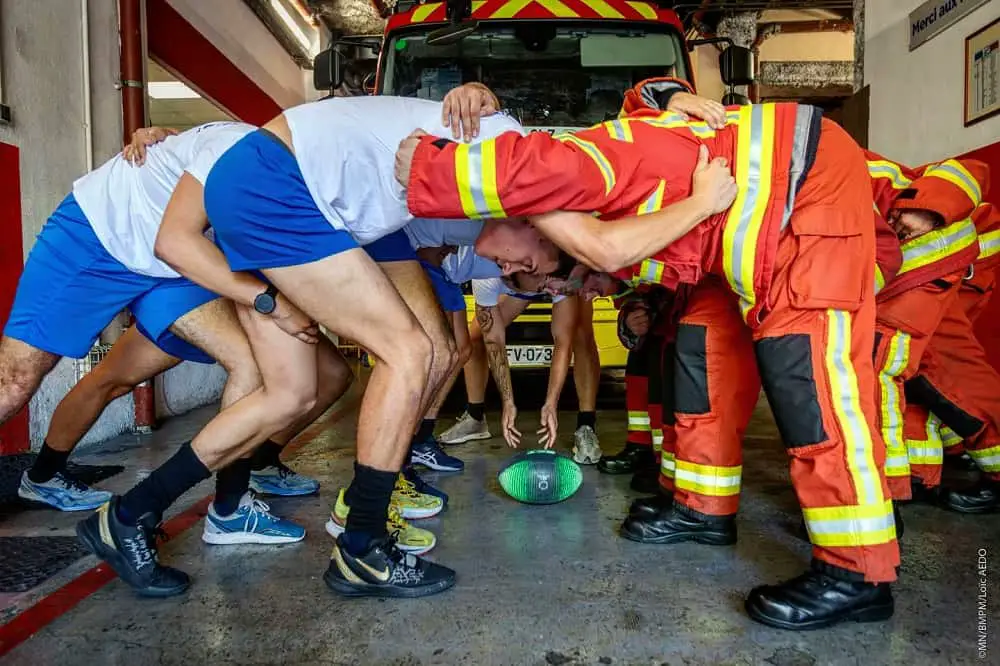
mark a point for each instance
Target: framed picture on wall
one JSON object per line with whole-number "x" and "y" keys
{"x": 982, "y": 73}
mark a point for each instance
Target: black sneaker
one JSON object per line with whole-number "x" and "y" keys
{"x": 384, "y": 571}
{"x": 815, "y": 600}
{"x": 131, "y": 551}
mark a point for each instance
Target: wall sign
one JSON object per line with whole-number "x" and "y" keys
{"x": 982, "y": 73}
{"x": 935, "y": 16}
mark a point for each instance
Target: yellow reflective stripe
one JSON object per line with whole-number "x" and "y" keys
{"x": 638, "y": 421}
{"x": 592, "y": 151}
{"x": 890, "y": 171}
{"x": 987, "y": 459}
{"x": 898, "y": 358}
{"x": 847, "y": 408}
{"x": 558, "y": 9}
{"x": 476, "y": 176}
{"x": 956, "y": 174}
{"x": 754, "y": 152}
{"x": 657, "y": 439}
{"x": 603, "y": 9}
{"x": 879, "y": 279}
{"x": 989, "y": 244}
{"x": 655, "y": 200}
{"x": 421, "y": 13}
{"x": 668, "y": 464}
{"x": 936, "y": 245}
{"x": 928, "y": 451}
{"x": 620, "y": 130}
{"x": 948, "y": 436}
{"x": 510, "y": 9}
{"x": 708, "y": 479}
{"x": 650, "y": 270}
{"x": 845, "y": 526}
{"x": 644, "y": 9}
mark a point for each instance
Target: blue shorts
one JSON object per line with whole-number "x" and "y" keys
{"x": 71, "y": 289}
{"x": 261, "y": 209}
{"x": 448, "y": 293}
{"x": 394, "y": 247}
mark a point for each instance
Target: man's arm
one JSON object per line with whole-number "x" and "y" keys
{"x": 507, "y": 176}
{"x": 565, "y": 315}
{"x": 628, "y": 241}
{"x": 181, "y": 243}
{"x": 490, "y": 323}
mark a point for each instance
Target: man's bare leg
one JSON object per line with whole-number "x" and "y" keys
{"x": 586, "y": 377}
{"x": 460, "y": 331}
{"x": 22, "y": 369}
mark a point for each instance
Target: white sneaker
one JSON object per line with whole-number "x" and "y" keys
{"x": 467, "y": 429}
{"x": 586, "y": 447}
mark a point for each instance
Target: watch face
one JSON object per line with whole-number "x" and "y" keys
{"x": 264, "y": 304}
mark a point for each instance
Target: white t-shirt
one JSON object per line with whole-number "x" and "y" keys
{"x": 124, "y": 203}
{"x": 488, "y": 292}
{"x": 346, "y": 149}
{"x": 424, "y": 232}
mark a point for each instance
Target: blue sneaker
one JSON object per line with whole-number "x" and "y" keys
{"x": 282, "y": 481}
{"x": 430, "y": 454}
{"x": 63, "y": 492}
{"x": 252, "y": 522}
{"x": 422, "y": 486}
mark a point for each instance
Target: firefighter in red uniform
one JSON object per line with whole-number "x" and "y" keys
{"x": 956, "y": 395}
{"x": 930, "y": 209}
{"x": 795, "y": 250}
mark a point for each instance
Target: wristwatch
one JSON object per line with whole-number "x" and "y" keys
{"x": 267, "y": 301}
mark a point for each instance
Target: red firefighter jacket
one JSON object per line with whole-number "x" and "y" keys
{"x": 638, "y": 164}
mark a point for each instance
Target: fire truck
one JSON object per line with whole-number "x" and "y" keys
{"x": 556, "y": 65}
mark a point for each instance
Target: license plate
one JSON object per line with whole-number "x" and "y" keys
{"x": 524, "y": 356}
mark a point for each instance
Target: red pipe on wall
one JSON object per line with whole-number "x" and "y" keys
{"x": 130, "y": 20}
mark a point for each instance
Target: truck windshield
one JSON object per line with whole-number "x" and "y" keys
{"x": 565, "y": 77}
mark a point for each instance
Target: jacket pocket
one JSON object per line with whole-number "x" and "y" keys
{"x": 830, "y": 266}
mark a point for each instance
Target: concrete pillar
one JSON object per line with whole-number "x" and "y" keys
{"x": 859, "y": 45}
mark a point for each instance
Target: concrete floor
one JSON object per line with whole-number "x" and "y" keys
{"x": 550, "y": 585}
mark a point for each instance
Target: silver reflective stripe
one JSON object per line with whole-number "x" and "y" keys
{"x": 938, "y": 244}
{"x": 649, "y": 274}
{"x": 923, "y": 455}
{"x": 957, "y": 173}
{"x": 708, "y": 479}
{"x": 851, "y": 526}
{"x": 884, "y": 171}
{"x": 805, "y": 117}
{"x": 752, "y": 178}
{"x": 475, "y": 163}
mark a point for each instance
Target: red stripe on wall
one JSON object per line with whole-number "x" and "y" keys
{"x": 988, "y": 325}
{"x": 14, "y": 433}
{"x": 185, "y": 52}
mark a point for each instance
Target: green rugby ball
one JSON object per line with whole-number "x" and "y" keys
{"x": 540, "y": 477}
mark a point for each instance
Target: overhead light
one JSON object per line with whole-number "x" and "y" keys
{"x": 170, "y": 90}
{"x": 293, "y": 27}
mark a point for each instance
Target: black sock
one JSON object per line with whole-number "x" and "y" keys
{"x": 231, "y": 483}
{"x": 370, "y": 493}
{"x": 476, "y": 410}
{"x": 162, "y": 488}
{"x": 48, "y": 463}
{"x": 586, "y": 419}
{"x": 267, "y": 454}
{"x": 426, "y": 430}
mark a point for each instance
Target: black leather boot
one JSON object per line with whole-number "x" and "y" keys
{"x": 646, "y": 478}
{"x": 821, "y": 597}
{"x": 983, "y": 497}
{"x": 647, "y": 506}
{"x": 676, "y": 524}
{"x": 962, "y": 462}
{"x": 626, "y": 460}
{"x": 923, "y": 495}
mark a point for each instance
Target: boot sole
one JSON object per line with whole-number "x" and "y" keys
{"x": 346, "y": 589}
{"x": 244, "y": 538}
{"x": 283, "y": 492}
{"x": 706, "y": 539}
{"x": 114, "y": 560}
{"x": 870, "y": 614}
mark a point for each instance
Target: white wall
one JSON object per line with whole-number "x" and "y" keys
{"x": 917, "y": 98}
{"x": 235, "y": 30}
{"x": 808, "y": 46}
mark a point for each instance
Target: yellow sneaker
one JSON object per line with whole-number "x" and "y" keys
{"x": 409, "y": 538}
{"x": 412, "y": 503}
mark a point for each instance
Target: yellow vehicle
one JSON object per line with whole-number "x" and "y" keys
{"x": 555, "y": 65}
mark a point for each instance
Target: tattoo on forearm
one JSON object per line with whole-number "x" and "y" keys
{"x": 484, "y": 317}
{"x": 497, "y": 356}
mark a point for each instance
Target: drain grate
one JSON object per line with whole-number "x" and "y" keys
{"x": 26, "y": 562}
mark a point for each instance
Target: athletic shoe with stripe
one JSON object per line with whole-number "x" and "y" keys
{"x": 421, "y": 486}
{"x": 409, "y": 538}
{"x": 62, "y": 492}
{"x": 415, "y": 504}
{"x": 252, "y": 522}
{"x": 384, "y": 571}
{"x": 466, "y": 429}
{"x": 430, "y": 454}
{"x": 131, "y": 551}
{"x": 282, "y": 481}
